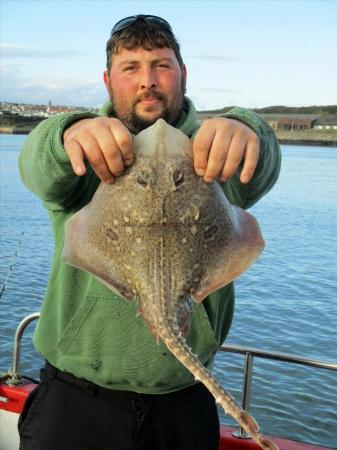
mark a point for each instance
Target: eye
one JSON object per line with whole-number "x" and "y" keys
{"x": 143, "y": 179}
{"x": 178, "y": 177}
{"x": 142, "y": 182}
{"x": 129, "y": 69}
{"x": 163, "y": 66}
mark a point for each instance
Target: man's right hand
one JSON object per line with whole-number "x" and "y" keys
{"x": 105, "y": 142}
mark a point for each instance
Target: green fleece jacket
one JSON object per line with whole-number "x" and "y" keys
{"x": 84, "y": 328}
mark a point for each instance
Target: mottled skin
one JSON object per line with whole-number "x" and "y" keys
{"x": 164, "y": 237}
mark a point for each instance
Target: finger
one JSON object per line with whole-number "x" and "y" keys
{"x": 123, "y": 139}
{"x": 111, "y": 152}
{"x": 201, "y": 147}
{"x": 217, "y": 155}
{"x": 76, "y": 157}
{"x": 234, "y": 157}
{"x": 251, "y": 158}
{"x": 97, "y": 161}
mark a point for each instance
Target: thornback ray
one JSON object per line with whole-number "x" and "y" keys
{"x": 163, "y": 236}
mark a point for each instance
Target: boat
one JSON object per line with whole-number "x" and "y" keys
{"x": 14, "y": 389}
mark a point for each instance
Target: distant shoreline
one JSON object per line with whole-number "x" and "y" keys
{"x": 310, "y": 138}
{"x": 307, "y": 142}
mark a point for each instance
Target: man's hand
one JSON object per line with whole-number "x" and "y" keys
{"x": 105, "y": 142}
{"x": 219, "y": 147}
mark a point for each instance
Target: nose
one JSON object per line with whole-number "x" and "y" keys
{"x": 148, "y": 78}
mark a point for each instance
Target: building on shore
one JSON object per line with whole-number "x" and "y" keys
{"x": 290, "y": 122}
{"x": 279, "y": 122}
{"x": 326, "y": 122}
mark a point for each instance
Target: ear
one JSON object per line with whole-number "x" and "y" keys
{"x": 183, "y": 77}
{"x": 106, "y": 79}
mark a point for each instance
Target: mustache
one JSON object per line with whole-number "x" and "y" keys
{"x": 151, "y": 93}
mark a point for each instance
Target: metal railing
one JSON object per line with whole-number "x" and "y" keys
{"x": 250, "y": 353}
{"x": 14, "y": 376}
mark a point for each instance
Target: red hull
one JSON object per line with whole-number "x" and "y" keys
{"x": 229, "y": 442}
{"x": 16, "y": 395}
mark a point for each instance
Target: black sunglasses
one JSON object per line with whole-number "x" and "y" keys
{"x": 151, "y": 20}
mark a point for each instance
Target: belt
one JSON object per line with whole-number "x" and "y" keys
{"x": 51, "y": 372}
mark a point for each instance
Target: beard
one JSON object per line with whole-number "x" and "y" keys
{"x": 135, "y": 122}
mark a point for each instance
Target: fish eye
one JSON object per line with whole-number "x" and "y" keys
{"x": 178, "y": 177}
{"x": 143, "y": 179}
{"x": 142, "y": 182}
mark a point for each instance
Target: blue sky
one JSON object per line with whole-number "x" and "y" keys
{"x": 247, "y": 53}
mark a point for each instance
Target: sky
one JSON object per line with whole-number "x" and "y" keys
{"x": 237, "y": 52}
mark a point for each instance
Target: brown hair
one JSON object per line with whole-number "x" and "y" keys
{"x": 141, "y": 35}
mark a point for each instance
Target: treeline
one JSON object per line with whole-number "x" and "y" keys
{"x": 8, "y": 120}
{"x": 280, "y": 109}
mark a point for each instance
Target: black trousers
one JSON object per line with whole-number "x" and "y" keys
{"x": 66, "y": 413}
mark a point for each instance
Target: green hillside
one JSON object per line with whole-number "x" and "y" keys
{"x": 280, "y": 109}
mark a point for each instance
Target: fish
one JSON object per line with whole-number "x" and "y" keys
{"x": 163, "y": 237}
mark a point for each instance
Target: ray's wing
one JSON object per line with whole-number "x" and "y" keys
{"x": 233, "y": 259}
{"x": 85, "y": 247}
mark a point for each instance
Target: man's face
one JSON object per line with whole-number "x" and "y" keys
{"x": 144, "y": 86}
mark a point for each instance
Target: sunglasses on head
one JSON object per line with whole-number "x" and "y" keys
{"x": 151, "y": 20}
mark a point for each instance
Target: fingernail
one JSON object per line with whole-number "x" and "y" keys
{"x": 208, "y": 179}
{"x": 128, "y": 162}
{"x": 244, "y": 179}
{"x": 80, "y": 170}
{"x": 110, "y": 181}
{"x": 223, "y": 179}
{"x": 200, "y": 172}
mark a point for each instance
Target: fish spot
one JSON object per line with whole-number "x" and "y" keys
{"x": 184, "y": 240}
{"x": 197, "y": 215}
{"x": 126, "y": 219}
{"x": 139, "y": 240}
{"x": 194, "y": 229}
{"x": 128, "y": 230}
{"x": 210, "y": 231}
{"x": 111, "y": 234}
{"x": 115, "y": 222}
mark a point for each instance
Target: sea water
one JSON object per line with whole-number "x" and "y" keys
{"x": 286, "y": 302}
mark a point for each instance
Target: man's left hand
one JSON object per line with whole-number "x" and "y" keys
{"x": 219, "y": 147}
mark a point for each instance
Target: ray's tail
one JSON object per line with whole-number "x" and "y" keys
{"x": 175, "y": 342}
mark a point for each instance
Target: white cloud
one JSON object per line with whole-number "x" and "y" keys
{"x": 39, "y": 89}
{"x": 21, "y": 51}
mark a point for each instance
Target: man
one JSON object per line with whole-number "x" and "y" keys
{"x": 107, "y": 384}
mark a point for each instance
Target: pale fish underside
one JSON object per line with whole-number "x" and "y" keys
{"x": 164, "y": 237}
